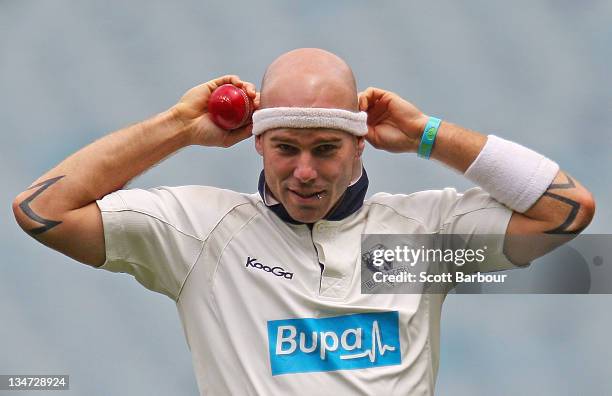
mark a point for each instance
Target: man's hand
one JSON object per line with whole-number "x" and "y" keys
{"x": 192, "y": 112}
{"x": 394, "y": 124}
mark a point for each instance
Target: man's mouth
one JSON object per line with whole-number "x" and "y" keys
{"x": 318, "y": 194}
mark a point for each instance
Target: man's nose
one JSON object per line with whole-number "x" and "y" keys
{"x": 305, "y": 168}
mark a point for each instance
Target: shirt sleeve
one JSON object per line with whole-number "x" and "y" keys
{"x": 474, "y": 220}
{"x": 146, "y": 235}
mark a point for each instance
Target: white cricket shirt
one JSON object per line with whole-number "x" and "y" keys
{"x": 259, "y": 314}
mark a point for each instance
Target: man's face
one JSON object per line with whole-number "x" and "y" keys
{"x": 301, "y": 164}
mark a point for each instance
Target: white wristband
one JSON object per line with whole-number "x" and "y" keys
{"x": 513, "y": 174}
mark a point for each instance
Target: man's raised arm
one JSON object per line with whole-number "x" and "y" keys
{"x": 545, "y": 200}
{"x": 59, "y": 209}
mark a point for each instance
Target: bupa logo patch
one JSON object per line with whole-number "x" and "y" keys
{"x": 344, "y": 342}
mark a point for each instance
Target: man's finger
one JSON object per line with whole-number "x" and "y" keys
{"x": 227, "y": 79}
{"x": 371, "y": 137}
{"x": 250, "y": 89}
{"x": 369, "y": 97}
{"x": 209, "y": 86}
{"x": 233, "y": 79}
{"x": 257, "y": 100}
{"x": 363, "y": 101}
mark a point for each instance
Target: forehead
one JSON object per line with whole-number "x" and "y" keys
{"x": 307, "y": 136}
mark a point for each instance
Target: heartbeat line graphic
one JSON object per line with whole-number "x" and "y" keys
{"x": 376, "y": 344}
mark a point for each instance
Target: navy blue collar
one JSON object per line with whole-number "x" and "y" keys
{"x": 350, "y": 202}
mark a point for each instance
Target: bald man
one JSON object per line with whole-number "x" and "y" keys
{"x": 267, "y": 284}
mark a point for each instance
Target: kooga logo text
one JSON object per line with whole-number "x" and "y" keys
{"x": 278, "y": 271}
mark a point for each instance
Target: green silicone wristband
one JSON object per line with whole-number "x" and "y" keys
{"x": 429, "y": 136}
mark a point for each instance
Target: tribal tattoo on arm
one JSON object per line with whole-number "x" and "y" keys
{"x": 573, "y": 205}
{"x": 25, "y": 207}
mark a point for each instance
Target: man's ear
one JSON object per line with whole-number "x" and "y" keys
{"x": 259, "y": 144}
{"x": 360, "y": 145}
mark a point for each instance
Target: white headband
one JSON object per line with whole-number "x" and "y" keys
{"x": 310, "y": 117}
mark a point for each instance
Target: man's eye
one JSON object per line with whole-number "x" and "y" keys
{"x": 285, "y": 148}
{"x": 325, "y": 149}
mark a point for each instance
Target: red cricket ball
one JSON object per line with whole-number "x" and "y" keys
{"x": 229, "y": 107}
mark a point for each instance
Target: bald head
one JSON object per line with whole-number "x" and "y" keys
{"x": 309, "y": 77}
